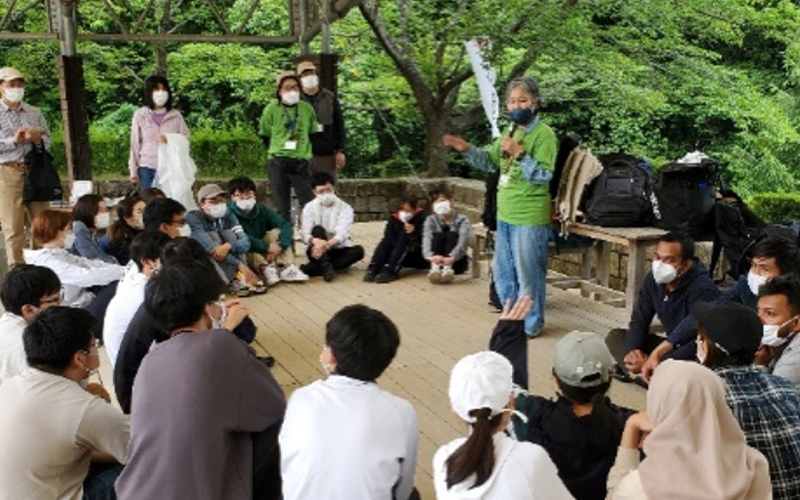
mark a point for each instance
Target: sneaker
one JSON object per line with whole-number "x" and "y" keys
{"x": 369, "y": 276}
{"x": 385, "y": 276}
{"x": 447, "y": 274}
{"x": 268, "y": 361}
{"x": 271, "y": 275}
{"x": 239, "y": 289}
{"x": 293, "y": 273}
{"x": 259, "y": 288}
{"x": 328, "y": 272}
{"x": 435, "y": 274}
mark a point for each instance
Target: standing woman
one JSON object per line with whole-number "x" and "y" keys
{"x": 150, "y": 124}
{"x": 525, "y": 156}
{"x": 130, "y": 222}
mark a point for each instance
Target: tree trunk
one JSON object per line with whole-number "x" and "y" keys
{"x": 435, "y": 154}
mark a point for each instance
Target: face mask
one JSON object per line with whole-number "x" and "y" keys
{"x": 310, "y": 81}
{"x": 218, "y": 324}
{"x": 160, "y": 97}
{"x": 404, "y": 216}
{"x": 138, "y": 222}
{"x": 102, "y": 220}
{"x": 327, "y": 199}
{"x": 663, "y": 273}
{"x": 246, "y": 205}
{"x": 770, "y": 336}
{"x": 291, "y": 98}
{"x": 755, "y": 281}
{"x": 14, "y": 94}
{"x": 185, "y": 231}
{"x": 441, "y": 207}
{"x": 521, "y": 116}
{"x": 218, "y": 211}
{"x": 69, "y": 240}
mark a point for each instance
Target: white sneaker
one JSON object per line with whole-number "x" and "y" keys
{"x": 293, "y": 273}
{"x": 447, "y": 274}
{"x": 435, "y": 274}
{"x": 272, "y": 276}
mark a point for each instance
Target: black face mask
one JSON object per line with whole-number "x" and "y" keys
{"x": 521, "y": 116}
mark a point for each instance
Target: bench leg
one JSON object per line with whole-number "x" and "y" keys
{"x": 637, "y": 258}
{"x": 603, "y": 256}
{"x": 475, "y": 243}
{"x": 586, "y": 267}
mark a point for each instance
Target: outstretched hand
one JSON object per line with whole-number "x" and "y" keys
{"x": 455, "y": 142}
{"x": 519, "y": 311}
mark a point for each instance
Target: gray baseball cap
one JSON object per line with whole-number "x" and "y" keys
{"x": 580, "y": 357}
{"x": 209, "y": 191}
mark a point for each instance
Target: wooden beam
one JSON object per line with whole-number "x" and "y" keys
{"x": 337, "y": 11}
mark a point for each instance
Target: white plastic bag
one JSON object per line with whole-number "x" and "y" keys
{"x": 176, "y": 170}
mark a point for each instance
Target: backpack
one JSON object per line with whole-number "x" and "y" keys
{"x": 489, "y": 215}
{"x": 621, "y": 196}
{"x": 566, "y": 144}
{"x": 41, "y": 181}
{"x": 686, "y": 195}
{"x": 736, "y": 227}
{"x": 581, "y": 168}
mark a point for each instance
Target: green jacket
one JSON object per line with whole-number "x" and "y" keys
{"x": 258, "y": 222}
{"x": 284, "y": 123}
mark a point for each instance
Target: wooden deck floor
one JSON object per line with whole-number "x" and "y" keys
{"x": 438, "y": 325}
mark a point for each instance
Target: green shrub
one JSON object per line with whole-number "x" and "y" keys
{"x": 776, "y": 207}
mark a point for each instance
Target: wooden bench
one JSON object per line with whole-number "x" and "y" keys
{"x": 635, "y": 239}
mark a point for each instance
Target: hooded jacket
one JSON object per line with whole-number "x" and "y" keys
{"x": 258, "y": 222}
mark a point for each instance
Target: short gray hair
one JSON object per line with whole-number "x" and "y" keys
{"x": 529, "y": 84}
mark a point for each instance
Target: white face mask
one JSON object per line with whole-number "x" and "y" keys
{"x": 404, "y": 216}
{"x": 218, "y": 211}
{"x": 218, "y": 324}
{"x": 69, "y": 240}
{"x": 291, "y": 98}
{"x": 160, "y": 97}
{"x": 755, "y": 282}
{"x": 327, "y": 199}
{"x": 185, "y": 231}
{"x": 246, "y": 205}
{"x": 441, "y": 207}
{"x": 138, "y": 222}
{"x": 663, "y": 273}
{"x": 770, "y": 336}
{"x": 14, "y": 94}
{"x": 310, "y": 81}
{"x": 102, "y": 220}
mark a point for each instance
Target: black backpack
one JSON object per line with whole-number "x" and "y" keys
{"x": 686, "y": 195}
{"x": 41, "y": 182}
{"x": 621, "y": 195}
{"x": 736, "y": 228}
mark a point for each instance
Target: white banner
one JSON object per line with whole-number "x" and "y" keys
{"x": 486, "y": 78}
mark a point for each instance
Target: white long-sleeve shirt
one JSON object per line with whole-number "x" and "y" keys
{"x": 121, "y": 309}
{"x": 12, "y": 351}
{"x": 344, "y": 439}
{"x": 341, "y": 230}
{"x": 76, "y": 273}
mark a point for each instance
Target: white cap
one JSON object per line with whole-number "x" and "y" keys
{"x": 9, "y": 73}
{"x": 480, "y": 380}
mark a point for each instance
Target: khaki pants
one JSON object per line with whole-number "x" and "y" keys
{"x": 256, "y": 260}
{"x": 12, "y": 211}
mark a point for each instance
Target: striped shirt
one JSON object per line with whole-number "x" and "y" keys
{"x": 768, "y": 412}
{"x": 10, "y": 121}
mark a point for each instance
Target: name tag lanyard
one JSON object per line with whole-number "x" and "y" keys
{"x": 291, "y": 123}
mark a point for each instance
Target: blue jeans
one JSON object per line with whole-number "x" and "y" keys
{"x": 520, "y": 268}
{"x": 146, "y": 177}
{"x": 99, "y": 483}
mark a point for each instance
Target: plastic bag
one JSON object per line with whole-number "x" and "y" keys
{"x": 176, "y": 170}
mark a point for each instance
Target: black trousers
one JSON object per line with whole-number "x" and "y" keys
{"x": 267, "y": 484}
{"x": 285, "y": 173}
{"x": 98, "y": 306}
{"x": 339, "y": 258}
{"x": 393, "y": 252}
{"x": 443, "y": 243}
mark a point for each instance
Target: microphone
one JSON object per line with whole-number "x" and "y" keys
{"x": 514, "y": 129}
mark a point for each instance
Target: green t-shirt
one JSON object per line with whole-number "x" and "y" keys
{"x": 288, "y": 123}
{"x": 519, "y": 201}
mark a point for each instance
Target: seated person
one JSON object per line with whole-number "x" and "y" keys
{"x": 771, "y": 257}
{"x": 445, "y": 239}
{"x": 779, "y": 311}
{"x": 766, "y": 406}
{"x": 146, "y": 254}
{"x": 345, "y": 438}
{"x": 89, "y": 216}
{"x": 129, "y": 223}
{"x": 488, "y": 464}
{"x": 87, "y": 283}
{"x": 271, "y": 236}
{"x": 59, "y": 441}
{"x": 326, "y": 224}
{"x": 168, "y": 216}
{"x": 677, "y": 280}
{"x": 25, "y": 292}
{"x": 231, "y": 451}
{"x": 150, "y": 194}
{"x": 689, "y": 431}
{"x": 143, "y": 331}
{"x": 220, "y": 233}
{"x": 401, "y": 245}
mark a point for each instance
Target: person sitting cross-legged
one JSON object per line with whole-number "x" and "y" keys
{"x": 59, "y": 441}
{"x": 345, "y": 438}
{"x": 206, "y": 412}
{"x": 445, "y": 239}
{"x": 766, "y": 406}
{"x": 26, "y": 291}
{"x": 401, "y": 245}
{"x": 327, "y": 221}
{"x": 220, "y": 233}
{"x": 271, "y": 236}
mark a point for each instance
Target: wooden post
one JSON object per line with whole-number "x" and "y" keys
{"x": 73, "y": 115}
